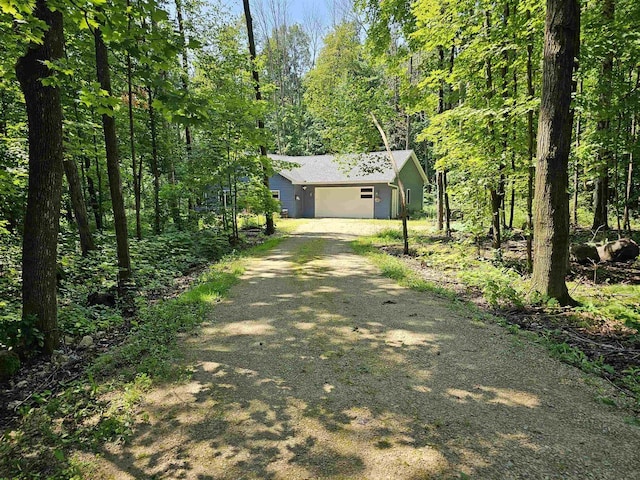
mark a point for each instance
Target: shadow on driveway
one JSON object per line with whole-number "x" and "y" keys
{"x": 316, "y": 367}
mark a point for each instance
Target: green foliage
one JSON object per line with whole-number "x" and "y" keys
{"x": 614, "y": 302}
{"x": 9, "y": 364}
{"x": 81, "y": 416}
{"x": 631, "y": 380}
{"x": 78, "y": 320}
{"x": 575, "y": 356}
{"x": 497, "y": 285}
{"x": 20, "y": 334}
{"x": 390, "y": 234}
{"x": 342, "y": 90}
{"x": 158, "y": 261}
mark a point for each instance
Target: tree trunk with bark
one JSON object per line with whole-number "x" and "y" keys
{"x": 440, "y": 203}
{"x": 270, "y": 227}
{"x": 403, "y": 197}
{"x": 495, "y": 192}
{"x": 551, "y": 224}
{"x": 188, "y": 137}
{"x": 113, "y": 169}
{"x": 576, "y": 172}
{"x": 44, "y": 115}
{"x": 99, "y": 214}
{"x": 601, "y": 186}
{"x": 155, "y": 170}
{"x": 79, "y": 207}
{"x": 447, "y": 208}
{"x": 439, "y": 173}
{"x": 530, "y": 148}
{"x": 137, "y": 179}
{"x": 629, "y": 183}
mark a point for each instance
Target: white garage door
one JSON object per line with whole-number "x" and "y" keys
{"x": 344, "y": 202}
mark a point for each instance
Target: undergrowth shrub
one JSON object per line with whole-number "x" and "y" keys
{"x": 156, "y": 261}
{"x": 498, "y": 286}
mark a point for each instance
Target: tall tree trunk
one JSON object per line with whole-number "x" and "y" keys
{"x": 137, "y": 180}
{"x": 551, "y": 237}
{"x": 113, "y": 170}
{"x": 174, "y": 199}
{"x": 512, "y": 201}
{"x": 616, "y": 178}
{"x": 154, "y": 163}
{"x": 93, "y": 197}
{"x": 44, "y": 115}
{"x": 185, "y": 68}
{"x": 627, "y": 191}
{"x": 132, "y": 146}
{"x": 440, "y": 173}
{"x": 447, "y": 209}
{"x": 79, "y": 208}
{"x": 185, "y": 86}
{"x": 505, "y": 117}
{"x": 530, "y": 148}
{"x": 77, "y": 186}
{"x": 403, "y": 197}
{"x": 440, "y": 205}
{"x": 99, "y": 212}
{"x": 601, "y": 187}
{"x": 576, "y": 169}
{"x": 407, "y": 138}
{"x": 494, "y": 191}
{"x": 270, "y": 227}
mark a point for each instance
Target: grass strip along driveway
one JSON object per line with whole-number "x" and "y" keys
{"x": 315, "y": 366}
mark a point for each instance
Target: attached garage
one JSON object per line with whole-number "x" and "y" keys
{"x": 346, "y": 186}
{"x": 344, "y": 202}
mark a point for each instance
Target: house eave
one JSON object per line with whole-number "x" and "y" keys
{"x": 344, "y": 182}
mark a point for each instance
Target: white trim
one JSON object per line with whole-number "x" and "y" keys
{"x": 277, "y": 194}
{"x": 394, "y": 203}
{"x": 408, "y": 196}
{"x": 287, "y": 177}
{"x": 355, "y": 183}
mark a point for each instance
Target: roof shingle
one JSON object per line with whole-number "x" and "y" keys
{"x": 372, "y": 167}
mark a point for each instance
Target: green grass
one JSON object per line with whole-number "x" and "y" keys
{"x": 309, "y": 251}
{"x": 396, "y": 269}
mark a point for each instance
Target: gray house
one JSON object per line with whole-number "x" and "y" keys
{"x": 346, "y": 186}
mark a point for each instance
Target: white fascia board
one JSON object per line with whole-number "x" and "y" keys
{"x": 343, "y": 182}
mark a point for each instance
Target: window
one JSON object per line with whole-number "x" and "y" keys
{"x": 366, "y": 192}
{"x": 408, "y": 199}
{"x": 275, "y": 194}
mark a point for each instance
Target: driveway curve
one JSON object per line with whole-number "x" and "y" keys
{"x": 317, "y": 367}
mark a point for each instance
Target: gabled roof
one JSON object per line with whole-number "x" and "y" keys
{"x": 372, "y": 167}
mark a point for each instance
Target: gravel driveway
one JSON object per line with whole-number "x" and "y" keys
{"x": 317, "y": 367}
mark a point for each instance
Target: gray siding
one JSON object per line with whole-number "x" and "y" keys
{"x": 287, "y": 193}
{"x": 382, "y": 208}
{"x": 308, "y": 202}
{"x": 411, "y": 179}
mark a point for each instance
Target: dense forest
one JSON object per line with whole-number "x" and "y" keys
{"x": 132, "y": 131}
